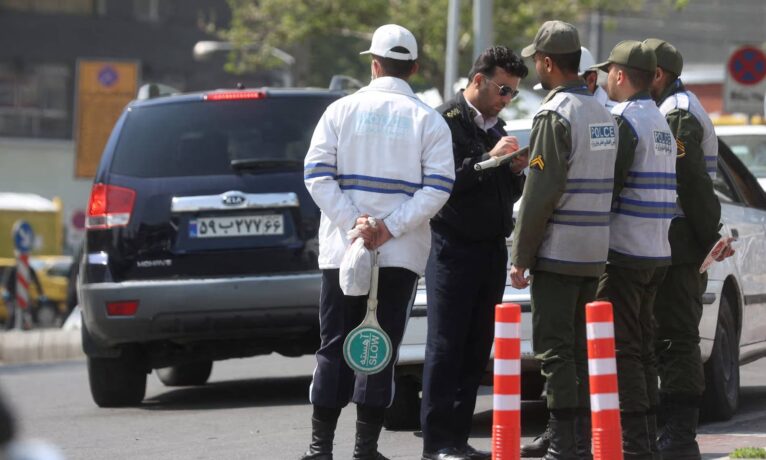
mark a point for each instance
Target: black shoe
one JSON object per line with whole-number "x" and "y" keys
{"x": 475, "y": 454}
{"x": 449, "y": 453}
{"x": 366, "y": 446}
{"x": 539, "y": 446}
{"x": 562, "y": 441}
{"x": 678, "y": 439}
{"x": 322, "y": 435}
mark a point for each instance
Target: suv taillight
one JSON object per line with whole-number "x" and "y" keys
{"x": 109, "y": 206}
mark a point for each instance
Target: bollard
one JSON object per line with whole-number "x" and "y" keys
{"x": 506, "y": 414}
{"x": 23, "y": 278}
{"x": 602, "y": 368}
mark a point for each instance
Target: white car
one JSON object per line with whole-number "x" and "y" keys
{"x": 748, "y": 142}
{"x": 733, "y": 326}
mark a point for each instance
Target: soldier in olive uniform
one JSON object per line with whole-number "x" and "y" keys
{"x": 678, "y": 305}
{"x": 562, "y": 232}
{"x": 639, "y": 251}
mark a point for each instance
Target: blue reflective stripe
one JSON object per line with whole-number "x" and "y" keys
{"x": 648, "y": 215}
{"x": 641, "y": 257}
{"x": 438, "y": 187}
{"x": 654, "y": 204}
{"x": 375, "y": 190}
{"x": 319, "y": 174}
{"x": 378, "y": 179}
{"x": 436, "y": 176}
{"x": 651, "y": 174}
{"x": 314, "y": 165}
{"x": 650, "y": 186}
{"x": 571, "y": 261}
{"x": 578, "y": 224}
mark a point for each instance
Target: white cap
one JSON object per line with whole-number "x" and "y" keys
{"x": 392, "y": 36}
{"x": 586, "y": 62}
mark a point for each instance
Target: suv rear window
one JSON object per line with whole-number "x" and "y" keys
{"x": 202, "y": 138}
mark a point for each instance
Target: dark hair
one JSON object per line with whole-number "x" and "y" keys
{"x": 641, "y": 79}
{"x": 395, "y": 67}
{"x": 567, "y": 63}
{"x": 498, "y": 56}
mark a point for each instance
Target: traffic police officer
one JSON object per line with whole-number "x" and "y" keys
{"x": 467, "y": 267}
{"x": 678, "y": 305}
{"x": 562, "y": 232}
{"x": 379, "y": 152}
{"x": 639, "y": 250}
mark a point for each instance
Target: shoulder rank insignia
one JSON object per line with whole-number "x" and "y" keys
{"x": 537, "y": 162}
{"x": 452, "y": 113}
{"x": 681, "y": 148}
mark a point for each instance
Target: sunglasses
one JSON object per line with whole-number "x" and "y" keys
{"x": 504, "y": 90}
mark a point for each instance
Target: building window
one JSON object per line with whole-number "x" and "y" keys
{"x": 35, "y": 101}
{"x": 80, "y": 7}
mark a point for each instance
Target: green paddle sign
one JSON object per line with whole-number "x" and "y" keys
{"x": 367, "y": 349}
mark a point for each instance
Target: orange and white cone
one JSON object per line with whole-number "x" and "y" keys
{"x": 506, "y": 414}
{"x": 602, "y": 369}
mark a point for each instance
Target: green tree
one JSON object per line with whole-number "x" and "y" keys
{"x": 326, "y": 35}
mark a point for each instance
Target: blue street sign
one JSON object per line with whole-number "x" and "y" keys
{"x": 23, "y": 236}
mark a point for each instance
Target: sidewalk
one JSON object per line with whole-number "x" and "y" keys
{"x": 18, "y": 347}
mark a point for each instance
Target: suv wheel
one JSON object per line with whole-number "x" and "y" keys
{"x": 721, "y": 397}
{"x": 186, "y": 374}
{"x": 117, "y": 382}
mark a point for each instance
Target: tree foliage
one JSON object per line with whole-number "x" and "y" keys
{"x": 326, "y": 36}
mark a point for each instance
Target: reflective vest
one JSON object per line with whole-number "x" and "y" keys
{"x": 641, "y": 214}
{"x": 686, "y": 100}
{"x": 578, "y": 232}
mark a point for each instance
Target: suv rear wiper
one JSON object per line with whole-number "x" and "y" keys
{"x": 264, "y": 163}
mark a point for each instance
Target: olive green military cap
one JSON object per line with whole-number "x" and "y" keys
{"x": 554, "y": 37}
{"x": 631, "y": 53}
{"x": 668, "y": 56}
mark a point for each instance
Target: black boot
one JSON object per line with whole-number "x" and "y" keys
{"x": 562, "y": 440}
{"x": 583, "y": 434}
{"x": 678, "y": 438}
{"x": 635, "y": 436}
{"x": 322, "y": 434}
{"x": 366, "y": 447}
{"x": 539, "y": 446}
{"x": 651, "y": 428}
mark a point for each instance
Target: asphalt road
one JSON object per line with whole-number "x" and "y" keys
{"x": 257, "y": 408}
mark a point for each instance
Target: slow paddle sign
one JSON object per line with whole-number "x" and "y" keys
{"x": 367, "y": 348}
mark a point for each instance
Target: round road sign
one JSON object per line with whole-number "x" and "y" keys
{"x": 747, "y": 65}
{"x": 23, "y": 236}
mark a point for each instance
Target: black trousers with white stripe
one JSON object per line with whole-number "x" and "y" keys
{"x": 334, "y": 383}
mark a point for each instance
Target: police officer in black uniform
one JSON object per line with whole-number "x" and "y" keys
{"x": 466, "y": 271}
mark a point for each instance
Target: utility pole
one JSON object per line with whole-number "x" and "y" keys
{"x": 451, "y": 58}
{"x": 483, "y": 32}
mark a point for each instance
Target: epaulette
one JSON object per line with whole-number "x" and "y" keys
{"x": 452, "y": 113}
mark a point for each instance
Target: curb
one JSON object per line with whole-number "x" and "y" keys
{"x": 20, "y": 347}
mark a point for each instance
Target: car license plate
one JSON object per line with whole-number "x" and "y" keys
{"x": 216, "y": 227}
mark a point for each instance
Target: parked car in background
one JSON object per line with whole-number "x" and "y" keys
{"x": 748, "y": 142}
{"x": 733, "y": 326}
{"x": 201, "y": 238}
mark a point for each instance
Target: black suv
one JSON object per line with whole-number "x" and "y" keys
{"x": 201, "y": 238}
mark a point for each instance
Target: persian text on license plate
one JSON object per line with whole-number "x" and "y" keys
{"x": 212, "y": 227}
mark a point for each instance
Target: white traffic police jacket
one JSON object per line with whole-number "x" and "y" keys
{"x": 382, "y": 152}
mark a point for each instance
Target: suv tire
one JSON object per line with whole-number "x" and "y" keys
{"x": 721, "y": 397}
{"x": 186, "y": 374}
{"x": 117, "y": 382}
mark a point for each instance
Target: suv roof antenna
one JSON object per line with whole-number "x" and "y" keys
{"x": 240, "y": 85}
